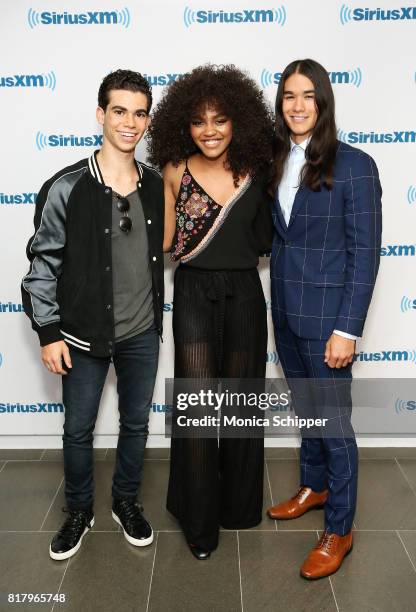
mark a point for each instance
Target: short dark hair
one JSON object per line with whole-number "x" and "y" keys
{"x": 124, "y": 79}
{"x": 321, "y": 151}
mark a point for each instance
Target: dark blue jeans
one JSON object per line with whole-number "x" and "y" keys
{"x": 135, "y": 362}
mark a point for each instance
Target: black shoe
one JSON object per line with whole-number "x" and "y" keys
{"x": 67, "y": 541}
{"x": 128, "y": 513}
{"x": 199, "y": 553}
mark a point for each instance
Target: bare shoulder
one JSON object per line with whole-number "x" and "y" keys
{"x": 172, "y": 175}
{"x": 170, "y": 170}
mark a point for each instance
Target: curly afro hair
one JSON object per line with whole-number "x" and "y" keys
{"x": 233, "y": 93}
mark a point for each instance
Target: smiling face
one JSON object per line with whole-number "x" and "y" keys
{"x": 299, "y": 107}
{"x": 124, "y": 120}
{"x": 211, "y": 131}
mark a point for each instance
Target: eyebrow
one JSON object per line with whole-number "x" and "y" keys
{"x": 306, "y": 91}
{"x": 198, "y": 116}
{"x": 123, "y": 108}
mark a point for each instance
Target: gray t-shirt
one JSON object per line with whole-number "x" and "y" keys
{"x": 132, "y": 277}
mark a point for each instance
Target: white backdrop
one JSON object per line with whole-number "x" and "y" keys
{"x": 53, "y": 57}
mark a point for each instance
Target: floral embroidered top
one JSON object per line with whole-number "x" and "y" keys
{"x": 199, "y": 220}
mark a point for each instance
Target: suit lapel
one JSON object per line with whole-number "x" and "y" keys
{"x": 280, "y": 222}
{"x": 300, "y": 198}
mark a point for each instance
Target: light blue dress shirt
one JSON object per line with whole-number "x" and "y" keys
{"x": 289, "y": 186}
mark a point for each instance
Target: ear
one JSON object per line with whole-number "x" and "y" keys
{"x": 100, "y": 114}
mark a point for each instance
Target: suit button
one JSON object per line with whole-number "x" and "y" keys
{"x": 106, "y": 231}
{"x": 154, "y": 258}
{"x": 107, "y": 269}
{"x": 106, "y": 190}
{"x": 149, "y": 221}
{"x": 108, "y": 306}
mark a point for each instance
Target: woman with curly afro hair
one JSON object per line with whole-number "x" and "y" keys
{"x": 212, "y": 134}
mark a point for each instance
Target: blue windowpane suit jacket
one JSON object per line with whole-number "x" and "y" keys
{"x": 324, "y": 263}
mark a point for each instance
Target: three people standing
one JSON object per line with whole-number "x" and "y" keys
{"x": 212, "y": 133}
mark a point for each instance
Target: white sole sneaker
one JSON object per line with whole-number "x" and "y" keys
{"x": 133, "y": 541}
{"x": 72, "y": 551}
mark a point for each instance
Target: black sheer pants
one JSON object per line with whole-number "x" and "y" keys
{"x": 220, "y": 330}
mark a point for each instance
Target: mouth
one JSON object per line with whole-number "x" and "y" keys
{"x": 298, "y": 118}
{"x": 129, "y": 136}
{"x": 211, "y": 143}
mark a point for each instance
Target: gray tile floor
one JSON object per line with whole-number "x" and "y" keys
{"x": 251, "y": 571}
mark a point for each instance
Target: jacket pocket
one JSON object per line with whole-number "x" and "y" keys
{"x": 330, "y": 279}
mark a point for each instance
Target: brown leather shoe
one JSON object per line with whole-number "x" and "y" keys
{"x": 327, "y": 556}
{"x": 304, "y": 500}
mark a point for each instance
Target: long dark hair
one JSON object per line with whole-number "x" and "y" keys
{"x": 322, "y": 147}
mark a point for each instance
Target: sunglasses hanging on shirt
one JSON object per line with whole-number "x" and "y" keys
{"x": 123, "y": 206}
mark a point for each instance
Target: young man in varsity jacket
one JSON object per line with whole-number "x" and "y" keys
{"x": 94, "y": 294}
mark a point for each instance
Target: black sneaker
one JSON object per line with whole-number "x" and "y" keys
{"x": 67, "y": 541}
{"x": 128, "y": 514}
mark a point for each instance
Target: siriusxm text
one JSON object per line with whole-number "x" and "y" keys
{"x": 246, "y": 16}
{"x": 18, "y": 198}
{"x": 89, "y": 18}
{"x": 25, "y": 408}
{"x": 378, "y": 14}
{"x": 23, "y": 80}
{"x": 384, "y": 356}
{"x": 378, "y": 137}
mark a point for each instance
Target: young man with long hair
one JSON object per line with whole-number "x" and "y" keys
{"x": 325, "y": 258}
{"x": 94, "y": 294}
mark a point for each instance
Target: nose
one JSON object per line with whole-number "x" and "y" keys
{"x": 210, "y": 128}
{"x": 129, "y": 120}
{"x": 299, "y": 103}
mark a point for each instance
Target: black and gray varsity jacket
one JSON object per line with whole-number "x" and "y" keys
{"x": 68, "y": 292}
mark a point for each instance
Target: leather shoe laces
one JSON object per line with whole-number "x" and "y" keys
{"x": 301, "y": 494}
{"x": 130, "y": 512}
{"x": 74, "y": 524}
{"x": 326, "y": 543}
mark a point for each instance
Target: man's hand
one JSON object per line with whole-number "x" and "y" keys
{"x": 53, "y": 354}
{"x": 339, "y": 351}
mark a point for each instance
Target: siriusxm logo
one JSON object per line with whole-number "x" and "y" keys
{"x": 119, "y": 17}
{"x": 376, "y": 137}
{"x": 411, "y": 195}
{"x": 30, "y": 80}
{"x": 366, "y": 14}
{"x": 407, "y": 304}
{"x": 168, "y": 307}
{"x": 18, "y": 198}
{"x": 402, "y": 405}
{"x": 277, "y": 15}
{"x": 10, "y": 307}
{"x": 272, "y": 357}
{"x": 398, "y": 250}
{"x": 161, "y": 407}
{"x": 406, "y": 355}
{"x": 343, "y": 77}
{"x": 161, "y": 79}
{"x": 24, "y": 408}
{"x": 59, "y": 140}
